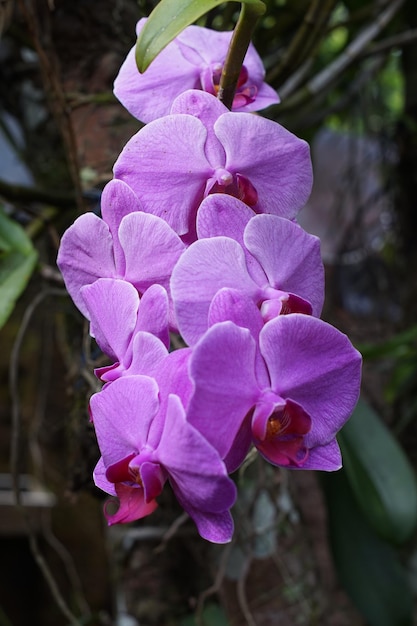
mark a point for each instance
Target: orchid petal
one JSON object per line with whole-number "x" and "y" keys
{"x": 153, "y": 313}
{"x": 289, "y": 256}
{"x": 147, "y": 353}
{"x": 206, "y": 108}
{"x": 148, "y": 96}
{"x": 326, "y": 458}
{"x": 112, "y": 307}
{"x": 151, "y": 249}
{"x": 122, "y": 413}
{"x": 193, "y": 464}
{"x": 118, "y": 200}
{"x": 205, "y": 267}
{"x": 222, "y": 368}
{"x": 100, "y": 480}
{"x": 274, "y": 160}
{"x": 165, "y": 165}
{"x": 222, "y": 215}
{"x": 85, "y": 254}
{"x": 132, "y": 505}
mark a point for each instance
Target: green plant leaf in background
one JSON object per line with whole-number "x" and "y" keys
{"x": 169, "y": 18}
{"x": 380, "y": 474}
{"x": 368, "y": 567}
{"x": 17, "y": 261}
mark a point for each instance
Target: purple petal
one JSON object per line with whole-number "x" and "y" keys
{"x": 326, "y": 458}
{"x": 85, "y": 254}
{"x": 223, "y": 215}
{"x": 265, "y": 97}
{"x": 275, "y": 161}
{"x": 132, "y": 505}
{"x": 151, "y": 250}
{"x": 193, "y": 465}
{"x": 205, "y": 267}
{"x": 315, "y": 365}
{"x": 100, "y": 480}
{"x": 147, "y": 352}
{"x": 207, "y": 108}
{"x": 122, "y": 413}
{"x": 118, "y": 200}
{"x": 289, "y": 256}
{"x": 149, "y": 96}
{"x": 165, "y": 165}
{"x": 172, "y": 376}
{"x": 222, "y": 368}
{"x": 240, "y": 447}
{"x": 112, "y": 307}
{"x": 215, "y": 527}
{"x": 154, "y": 313}
{"x": 234, "y": 306}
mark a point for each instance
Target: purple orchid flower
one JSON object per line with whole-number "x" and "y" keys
{"x": 132, "y": 331}
{"x": 202, "y": 148}
{"x": 194, "y": 60}
{"x": 126, "y": 244}
{"x": 289, "y": 394}
{"x": 143, "y": 447}
{"x": 271, "y": 259}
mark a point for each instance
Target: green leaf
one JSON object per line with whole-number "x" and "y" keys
{"x": 380, "y": 474}
{"x": 17, "y": 261}
{"x": 169, "y": 18}
{"x": 368, "y": 567}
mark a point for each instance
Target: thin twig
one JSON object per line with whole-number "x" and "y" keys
{"x": 304, "y": 40}
{"x": 326, "y": 77}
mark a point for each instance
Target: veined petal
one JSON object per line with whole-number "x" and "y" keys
{"x": 205, "y": 267}
{"x": 147, "y": 353}
{"x": 289, "y": 256}
{"x": 154, "y": 313}
{"x": 222, "y": 368}
{"x": 222, "y": 215}
{"x": 326, "y": 458}
{"x": 314, "y": 364}
{"x": 118, "y": 200}
{"x": 100, "y": 480}
{"x": 112, "y": 307}
{"x": 148, "y": 96}
{"x": 132, "y": 505}
{"x": 215, "y": 527}
{"x": 275, "y": 161}
{"x": 193, "y": 464}
{"x": 122, "y": 413}
{"x": 85, "y": 254}
{"x": 151, "y": 249}
{"x": 207, "y": 108}
{"x": 166, "y": 166}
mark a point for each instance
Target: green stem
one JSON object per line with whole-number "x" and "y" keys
{"x": 238, "y": 47}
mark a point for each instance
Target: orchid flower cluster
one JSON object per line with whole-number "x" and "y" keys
{"x": 197, "y": 236}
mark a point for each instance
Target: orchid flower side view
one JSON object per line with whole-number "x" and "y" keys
{"x": 198, "y": 236}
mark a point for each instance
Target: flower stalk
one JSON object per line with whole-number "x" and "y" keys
{"x": 239, "y": 44}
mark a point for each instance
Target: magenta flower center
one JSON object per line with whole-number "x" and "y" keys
{"x": 281, "y": 303}
{"x": 284, "y": 440}
{"x": 245, "y": 93}
{"x": 234, "y": 185}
